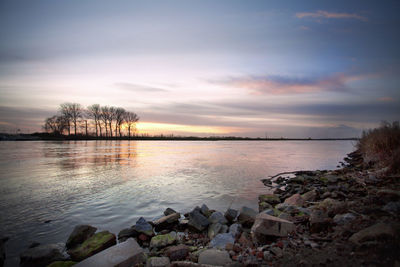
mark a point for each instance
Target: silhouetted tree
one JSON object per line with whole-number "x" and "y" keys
{"x": 94, "y": 112}
{"x": 55, "y": 124}
{"x": 111, "y": 118}
{"x": 104, "y": 116}
{"x": 119, "y": 120}
{"x": 72, "y": 112}
{"x": 131, "y": 118}
{"x": 66, "y": 113}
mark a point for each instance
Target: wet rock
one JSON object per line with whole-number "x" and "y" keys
{"x": 319, "y": 221}
{"x": 341, "y": 219}
{"x": 197, "y": 221}
{"x": 160, "y": 241}
{"x": 79, "y": 235}
{"x": 215, "y": 257}
{"x": 96, "y": 243}
{"x": 247, "y": 216}
{"x": 124, "y": 234}
{"x": 167, "y": 222}
{"x": 169, "y": 211}
{"x": 374, "y": 232}
{"x": 214, "y": 229}
{"x": 217, "y": 217}
{"x": 142, "y": 226}
{"x": 310, "y": 195}
{"x": 205, "y": 210}
{"x": 178, "y": 253}
{"x": 235, "y": 230}
{"x": 62, "y": 264}
{"x": 266, "y": 225}
{"x": 296, "y": 180}
{"x": 231, "y": 215}
{"x": 42, "y": 255}
{"x": 3, "y": 240}
{"x": 158, "y": 262}
{"x": 269, "y": 198}
{"x": 295, "y": 200}
{"x": 220, "y": 240}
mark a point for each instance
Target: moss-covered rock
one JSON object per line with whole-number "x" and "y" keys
{"x": 159, "y": 241}
{"x": 62, "y": 264}
{"x": 93, "y": 245}
{"x": 264, "y": 206}
{"x": 269, "y": 198}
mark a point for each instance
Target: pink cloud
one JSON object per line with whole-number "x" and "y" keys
{"x": 330, "y": 15}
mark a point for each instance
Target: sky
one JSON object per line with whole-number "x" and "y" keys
{"x": 207, "y": 68}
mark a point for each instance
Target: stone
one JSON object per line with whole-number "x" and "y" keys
{"x": 127, "y": 253}
{"x": 220, "y": 240}
{"x": 374, "y": 232}
{"x": 79, "y": 235}
{"x": 217, "y": 217}
{"x": 197, "y": 221}
{"x": 205, "y": 210}
{"x": 244, "y": 240}
{"x": 42, "y": 255}
{"x": 96, "y": 243}
{"x": 62, "y": 264}
{"x": 269, "y": 212}
{"x": 264, "y": 206}
{"x": 341, "y": 219}
{"x": 169, "y": 211}
{"x": 277, "y": 252}
{"x": 127, "y": 233}
{"x": 269, "y": 198}
{"x": 392, "y": 207}
{"x": 266, "y": 225}
{"x": 235, "y": 230}
{"x": 158, "y": 262}
{"x": 295, "y": 200}
{"x": 319, "y": 221}
{"x": 34, "y": 244}
{"x": 310, "y": 195}
{"x": 3, "y": 240}
{"x": 330, "y": 178}
{"x": 178, "y": 253}
{"x": 167, "y": 222}
{"x": 215, "y": 257}
{"x": 142, "y": 226}
{"x": 389, "y": 194}
{"x": 160, "y": 241}
{"x": 213, "y": 230}
{"x": 247, "y": 216}
{"x": 224, "y": 229}
{"x": 332, "y": 206}
{"x": 231, "y": 215}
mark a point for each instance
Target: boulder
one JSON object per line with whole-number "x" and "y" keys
{"x": 127, "y": 253}
{"x": 264, "y": 206}
{"x": 42, "y": 255}
{"x": 215, "y": 257}
{"x": 197, "y": 221}
{"x": 167, "y": 222}
{"x": 310, "y": 195}
{"x": 269, "y": 198}
{"x": 178, "y": 253}
{"x": 169, "y": 211}
{"x": 341, "y": 219}
{"x": 224, "y": 229}
{"x": 266, "y": 225}
{"x": 392, "y": 207}
{"x": 217, "y": 217}
{"x": 79, "y": 235}
{"x": 158, "y": 262}
{"x": 220, "y": 240}
{"x": 214, "y": 229}
{"x": 231, "y": 215}
{"x": 332, "y": 206}
{"x": 247, "y": 216}
{"x": 295, "y": 200}
{"x": 127, "y": 233}
{"x": 319, "y": 221}
{"x": 245, "y": 240}
{"x": 374, "y": 232}
{"x": 96, "y": 243}
{"x": 160, "y": 241}
{"x": 235, "y": 230}
{"x": 62, "y": 264}
{"x": 142, "y": 226}
{"x": 205, "y": 210}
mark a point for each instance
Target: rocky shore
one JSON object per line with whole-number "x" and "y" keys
{"x": 345, "y": 217}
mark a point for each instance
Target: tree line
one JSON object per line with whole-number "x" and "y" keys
{"x": 101, "y": 121}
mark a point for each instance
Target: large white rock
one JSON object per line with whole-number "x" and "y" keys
{"x": 267, "y": 225}
{"x": 124, "y": 254}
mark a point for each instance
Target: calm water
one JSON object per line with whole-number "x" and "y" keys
{"x": 110, "y": 184}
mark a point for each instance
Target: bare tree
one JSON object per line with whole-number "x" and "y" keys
{"x": 111, "y": 117}
{"x": 94, "y": 112}
{"x": 66, "y": 113}
{"x": 131, "y": 118}
{"x": 72, "y": 112}
{"x": 104, "y": 116}
{"x": 55, "y": 124}
{"x": 119, "y": 120}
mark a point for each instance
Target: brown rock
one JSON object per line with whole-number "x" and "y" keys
{"x": 244, "y": 240}
{"x": 319, "y": 221}
{"x": 310, "y": 195}
{"x": 166, "y": 222}
{"x": 266, "y": 225}
{"x": 374, "y": 232}
{"x": 295, "y": 200}
{"x": 177, "y": 253}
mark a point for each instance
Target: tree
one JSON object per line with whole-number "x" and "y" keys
{"x": 111, "y": 117}
{"x": 66, "y": 113}
{"x": 55, "y": 124}
{"x": 104, "y": 116}
{"x": 131, "y": 118}
{"x": 94, "y": 112}
{"x": 72, "y": 113}
{"x": 119, "y": 119}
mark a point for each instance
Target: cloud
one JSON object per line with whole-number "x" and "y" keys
{"x": 284, "y": 85}
{"x": 139, "y": 88}
{"x": 386, "y": 99}
{"x": 329, "y": 15}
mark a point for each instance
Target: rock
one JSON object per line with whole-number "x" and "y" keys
{"x": 277, "y": 252}
{"x": 266, "y": 225}
{"x": 295, "y": 200}
{"x": 142, "y": 226}
{"x": 127, "y": 233}
{"x": 160, "y": 241}
{"x": 224, "y": 229}
{"x": 389, "y": 194}
{"x": 158, "y": 262}
{"x": 392, "y": 207}
{"x": 330, "y": 178}
{"x": 247, "y": 216}
{"x": 62, "y": 264}
{"x": 178, "y": 253}
{"x": 269, "y": 198}
{"x": 319, "y": 221}
{"x": 3, "y": 240}
{"x": 215, "y": 257}
{"x": 197, "y": 221}
{"x": 34, "y": 244}
{"x": 214, "y": 229}
{"x": 235, "y": 230}
{"x": 341, "y": 219}
{"x": 169, "y": 211}
{"x": 96, "y": 243}
{"x": 332, "y": 206}
{"x": 374, "y": 232}
{"x": 269, "y": 212}
{"x": 296, "y": 180}
{"x": 220, "y": 240}
{"x": 217, "y": 217}
{"x": 205, "y": 210}
{"x": 79, "y": 235}
{"x": 42, "y": 255}
{"x": 264, "y": 206}
{"x": 245, "y": 240}
{"x": 231, "y": 215}
{"x": 310, "y": 195}
{"x": 167, "y": 222}
{"x": 127, "y": 253}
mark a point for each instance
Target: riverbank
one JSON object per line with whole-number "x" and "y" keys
{"x": 343, "y": 217}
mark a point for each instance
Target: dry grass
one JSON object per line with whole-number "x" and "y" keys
{"x": 381, "y": 146}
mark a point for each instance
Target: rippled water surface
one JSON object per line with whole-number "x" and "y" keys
{"x": 109, "y": 184}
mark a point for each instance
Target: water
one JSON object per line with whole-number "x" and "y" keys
{"x": 110, "y": 184}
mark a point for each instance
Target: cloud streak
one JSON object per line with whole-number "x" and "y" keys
{"x": 139, "y": 88}
{"x": 321, "y": 14}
